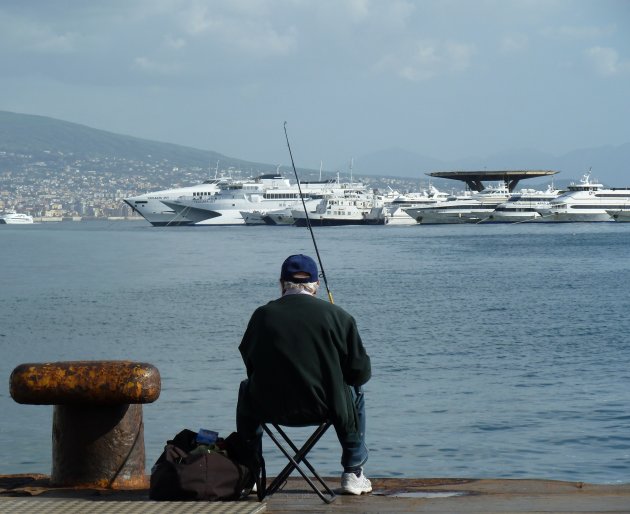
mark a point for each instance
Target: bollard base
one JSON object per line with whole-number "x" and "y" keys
{"x": 98, "y": 446}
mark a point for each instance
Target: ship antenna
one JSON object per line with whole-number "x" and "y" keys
{"x": 308, "y": 220}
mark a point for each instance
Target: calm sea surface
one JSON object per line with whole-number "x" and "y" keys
{"x": 497, "y": 350}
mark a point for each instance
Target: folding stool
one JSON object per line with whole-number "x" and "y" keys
{"x": 299, "y": 456}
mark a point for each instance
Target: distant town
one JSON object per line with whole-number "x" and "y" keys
{"x": 52, "y": 186}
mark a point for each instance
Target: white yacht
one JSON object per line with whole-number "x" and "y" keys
{"x": 151, "y": 206}
{"x": 266, "y": 193}
{"x": 15, "y": 218}
{"x": 282, "y": 216}
{"x": 395, "y": 209}
{"x": 471, "y": 208}
{"x": 285, "y": 216}
{"x": 253, "y": 217}
{"x": 351, "y": 207}
{"x": 523, "y": 206}
{"x": 586, "y": 201}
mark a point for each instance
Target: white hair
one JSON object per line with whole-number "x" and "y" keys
{"x": 309, "y": 287}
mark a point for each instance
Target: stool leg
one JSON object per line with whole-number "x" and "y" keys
{"x": 98, "y": 446}
{"x": 300, "y": 454}
{"x": 294, "y": 462}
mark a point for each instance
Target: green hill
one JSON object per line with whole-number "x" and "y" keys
{"x": 29, "y": 134}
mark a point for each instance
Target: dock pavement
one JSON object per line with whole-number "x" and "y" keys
{"x": 33, "y": 494}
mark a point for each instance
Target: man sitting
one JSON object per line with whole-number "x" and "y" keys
{"x": 306, "y": 363}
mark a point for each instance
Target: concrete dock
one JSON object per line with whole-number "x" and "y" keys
{"x": 32, "y": 494}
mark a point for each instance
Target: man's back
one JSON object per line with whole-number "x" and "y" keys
{"x": 301, "y": 353}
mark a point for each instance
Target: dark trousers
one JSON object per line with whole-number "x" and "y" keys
{"x": 354, "y": 451}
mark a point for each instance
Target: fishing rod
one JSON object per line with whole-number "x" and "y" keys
{"x": 308, "y": 220}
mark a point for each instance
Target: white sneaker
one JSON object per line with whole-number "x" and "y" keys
{"x": 353, "y": 484}
{"x": 253, "y": 490}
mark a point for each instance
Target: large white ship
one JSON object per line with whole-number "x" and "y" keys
{"x": 265, "y": 194}
{"x": 586, "y": 201}
{"x": 151, "y": 206}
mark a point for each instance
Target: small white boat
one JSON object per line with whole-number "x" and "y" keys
{"x": 15, "y": 218}
{"x": 279, "y": 217}
{"x": 395, "y": 213}
{"x": 285, "y": 216}
{"x": 253, "y": 217}
{"x": 348, "y": 208}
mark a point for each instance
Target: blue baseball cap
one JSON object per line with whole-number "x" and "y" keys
{"x": 299, "y": 264}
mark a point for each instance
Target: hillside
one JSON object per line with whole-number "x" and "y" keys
{"x": 24, "y": 133}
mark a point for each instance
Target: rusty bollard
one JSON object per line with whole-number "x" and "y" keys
{"x": 98, "y": 432}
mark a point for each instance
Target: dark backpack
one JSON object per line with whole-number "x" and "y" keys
{"x": 179, "y": 474}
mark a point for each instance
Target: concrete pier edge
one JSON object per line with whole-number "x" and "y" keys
{"x": 391, "y": 495}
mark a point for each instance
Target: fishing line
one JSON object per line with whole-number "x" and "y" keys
{"x": 308, "y": 220}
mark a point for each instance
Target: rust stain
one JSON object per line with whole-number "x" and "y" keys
{"x": 91, "y": 382}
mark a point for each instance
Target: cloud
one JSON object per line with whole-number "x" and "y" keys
{"x": 21, "y": 34}
{"x": 358, "y": 9}
{"x": 425, "y": 60}
{"x": 176, "y": 43}
{"x": 514, "y": 43}
{"x": 606, "y": 61}
{"x": 247, "y": 33}
{"x": 579, "y": 32}
{"x": 153, "y": 67}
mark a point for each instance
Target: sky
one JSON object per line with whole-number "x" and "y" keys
{"x": 447, "y": 79}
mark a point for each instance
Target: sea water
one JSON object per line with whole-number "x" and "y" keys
{"x": 497, "y": 350}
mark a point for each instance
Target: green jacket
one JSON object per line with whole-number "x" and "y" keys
{"x": 301, "y": 355}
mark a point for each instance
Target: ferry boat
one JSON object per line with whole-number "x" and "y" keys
{"x": 471, "y": 208}
{"x": 266, "y": 193}
{"x": 15, "y": 218}
{"x": 151, "y": 206}
{"x": 586, "y": 201}
{"x": 523, "y": 206}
